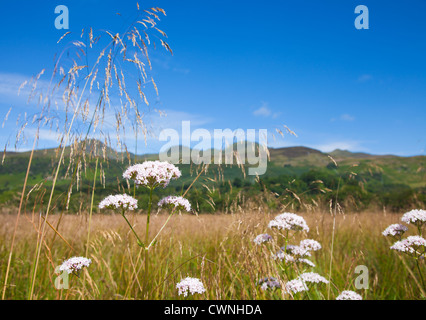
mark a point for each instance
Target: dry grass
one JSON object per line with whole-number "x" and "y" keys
{"x": 107, "y": 75}
{"x": 216, "y": 248}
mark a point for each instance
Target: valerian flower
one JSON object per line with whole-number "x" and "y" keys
{"x": 269, "y": 283}
{"x": 294, "y": 254}
{"x": 395, "y": 230}
{"x": 190, "y": 285}
{"x": 175, "y": 203}
{"x": 307, "y": 262}
{"x": 261, "y": 238}
{"x": 309, "y": 244}
{"x": 297, "y": 251}
{"x": 349, "y": 295}
{"x": 119, "y": 201}
{"x": 283, "y": 256}
{"x": 75, "y": 264}
{"x": 152, "y": 173}
{"x": 289, "y": 221}
{"x": 416, "y": 217}
{"x": 312, "y": 277}
{"x": 413, "y": 245}
{"x": 295, "y": 286}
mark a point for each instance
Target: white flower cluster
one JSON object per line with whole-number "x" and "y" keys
{"x": 261, "y": 238}
{"x": 297, "y": 251}
{"x": 416, "y": 217}
{"x": 174, "y": 202}
{"x": 412, "y": 245}
{"x": 281, "y": 255}
{"x": 119, "y": 201}
{"x": 309, "y": 244}
{"x": 190, "y": 285}
{"x": 293, "y": 253}
{"x": 301, "y": 282}
{"x": 295, "y": 286}
{"x": 152, "y": 173}
{"x": 307, "y": 262}
{"x": 395, "y": 230}
{"x": 269, "y": 283}
{"x": 349, "y": 295}
{"x": 75, "y": 264}
{"x": 289, "y": 221}
{"x": 312, "y": 277}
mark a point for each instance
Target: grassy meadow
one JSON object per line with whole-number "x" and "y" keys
{"x": 100, "y": 92}
{"x": 218, "y": 249}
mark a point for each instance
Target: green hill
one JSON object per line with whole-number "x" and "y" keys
{"x": 296, "y": 176}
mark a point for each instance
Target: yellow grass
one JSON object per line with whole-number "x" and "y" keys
{"x": 216, "y": 248}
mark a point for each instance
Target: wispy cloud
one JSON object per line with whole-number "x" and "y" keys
{"x": 342, "y": 145}
{"x": 181, "y": 70}
{"x": 10, "y": 84}
{"x": 344, "y": 117}
{"x": 167, "y": 63}
{"x": 265, "y": 111}
{"x": 365, "y": 77}
{"x": 262, "y": 111}
{"x": 347, "y": 117}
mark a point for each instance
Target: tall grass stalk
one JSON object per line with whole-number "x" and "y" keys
{"x": 39, "y": 244}
{"x": 90, "y": 216}
{"x": 91, "y": 207}
{"x": 332, "y": 240}
{"x": 18, "y": 216}
{"x": 421, "y": 277}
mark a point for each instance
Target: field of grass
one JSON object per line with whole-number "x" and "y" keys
{"x": 50, "y": 198}
{"x": 218, "y": 249}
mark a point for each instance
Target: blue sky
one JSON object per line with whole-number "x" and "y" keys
{"x": 254, "y": 65}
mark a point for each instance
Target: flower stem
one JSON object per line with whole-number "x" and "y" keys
{"x": 140, "y": 243}
{"x": 153, "y": 240}
{"x": 149, "y": 215}
{"x": 147, "y": 239}
{"x": 419, "y": 228}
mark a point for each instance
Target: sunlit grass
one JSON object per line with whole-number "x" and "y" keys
{"x": 218, "y": 249}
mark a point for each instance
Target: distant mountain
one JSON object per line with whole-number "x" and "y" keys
{"x": 293, "y": 152}
{"x": 284, "y": 155}
{"x": 373, "y": 174}
{"x": 348, "y": 154}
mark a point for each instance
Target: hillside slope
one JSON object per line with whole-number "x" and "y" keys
{"x": 365, "y": 177}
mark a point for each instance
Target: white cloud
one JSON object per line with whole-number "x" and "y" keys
{"x": 365, "y": 77}
{"x": 265, "y": 111}
{"x": 342, "y": 145}
{"x": 182, "y": 70}
{"x": 9, "y": 85}
{"x": 12, "y": 84}
{"x": 347, "y": 117}
{"x": 262, "y": 111}
{"x": 343, "y": 117}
